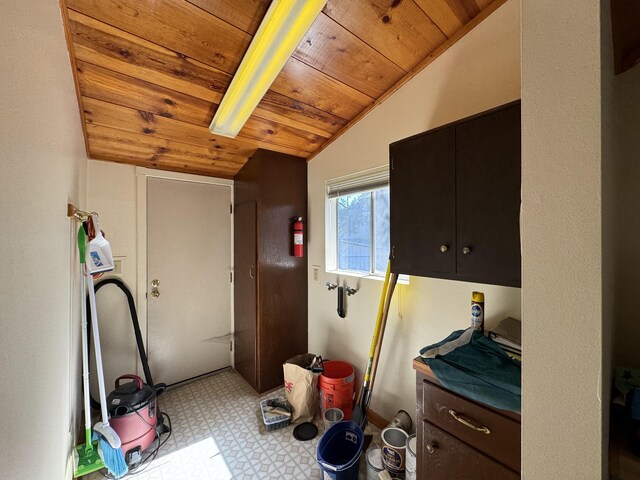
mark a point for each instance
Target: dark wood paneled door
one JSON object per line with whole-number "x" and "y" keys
{"x": 245, "y": 290}
{"x": 423, "y": 209}
{"x": 488, "y": 197}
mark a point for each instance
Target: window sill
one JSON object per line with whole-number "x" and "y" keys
{"x": 402, "y": 279}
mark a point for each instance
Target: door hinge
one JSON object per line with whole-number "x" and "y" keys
{"x": 231, "y": 346}
{"x": 391, "y": 163}
{"x": 231, "y": 208}
{"x": 230, "y": 277}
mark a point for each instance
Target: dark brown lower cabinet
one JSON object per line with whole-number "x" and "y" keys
{"x": 444, "y": 457}
{"x": 461, "y": 439}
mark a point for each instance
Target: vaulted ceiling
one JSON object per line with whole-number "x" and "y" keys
{"x": 151, "y": 73}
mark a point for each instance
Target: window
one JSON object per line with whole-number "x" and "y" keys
{"x": 357, "y": 240}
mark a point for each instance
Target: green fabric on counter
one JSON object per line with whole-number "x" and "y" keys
{"x": 468, "y": 363}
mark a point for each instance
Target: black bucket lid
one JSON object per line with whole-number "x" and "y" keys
{"x": 305, "y": 431}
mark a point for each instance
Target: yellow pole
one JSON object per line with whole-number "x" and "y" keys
{"x": 376, "y": 330}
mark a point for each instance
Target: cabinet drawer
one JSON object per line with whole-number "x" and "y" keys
{"x": 444, "y": 457}
{"x": 484, "y": 429}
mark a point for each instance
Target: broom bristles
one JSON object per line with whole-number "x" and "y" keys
{"x": 113, "y": 458}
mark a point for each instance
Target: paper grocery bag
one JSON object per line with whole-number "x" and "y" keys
{"x": 301, "y": 387}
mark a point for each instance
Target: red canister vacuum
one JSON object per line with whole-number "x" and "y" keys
{"x": 133, "y": 413}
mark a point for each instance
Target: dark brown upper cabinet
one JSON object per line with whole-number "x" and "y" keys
{"x": 455, "y": 200}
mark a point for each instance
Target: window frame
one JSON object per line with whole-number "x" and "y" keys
{"x": 331, "y": 248}
{"x": 369, "y": 181}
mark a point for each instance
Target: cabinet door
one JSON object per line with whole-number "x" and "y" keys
{"x": 245, "y": 265}
{"x": 488, "y": 198}
{"x": 444, "y": 457}
{"x": 422, "y": 193}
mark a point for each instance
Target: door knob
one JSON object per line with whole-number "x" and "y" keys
{"x": 155, "y": 282}
{"x": 466, "y": 250}
{"x": 155, "y": 293}
{"x": 430, "y": 448}
{"x": 444, "y": 248}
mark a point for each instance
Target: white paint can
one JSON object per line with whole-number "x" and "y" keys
{"x": 410, "y": 469}
{"x": 394, "y": 446}
{"x": 374, "y": 463}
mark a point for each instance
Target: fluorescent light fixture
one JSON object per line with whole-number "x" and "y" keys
{"x": 280, "y": 32}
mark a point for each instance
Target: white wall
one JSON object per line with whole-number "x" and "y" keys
{"x": 111, "y": 191}
{"x": 565, "y": 97}
{"x": 43, "y": 167}
{"x": 479, "y": 72}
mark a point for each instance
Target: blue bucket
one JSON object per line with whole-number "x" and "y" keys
{"x": 339, "y": 451}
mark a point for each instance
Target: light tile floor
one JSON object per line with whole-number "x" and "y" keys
{"x": 218, "y": 434}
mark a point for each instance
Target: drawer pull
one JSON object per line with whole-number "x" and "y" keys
{"x": 431, "y": 448}
{"x": 467, "y": 423}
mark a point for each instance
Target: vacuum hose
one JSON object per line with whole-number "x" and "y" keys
{"x": 161, "y": 387}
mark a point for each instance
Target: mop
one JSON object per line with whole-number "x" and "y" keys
{"x": 86, "y": 455}
{"x": 99, "y": 259}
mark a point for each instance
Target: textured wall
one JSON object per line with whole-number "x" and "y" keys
{"x": 481, "y": 71}
{"x": 111, "y": 191}
{"x": 562, "y": 239}
{"x": 43, "y": 167}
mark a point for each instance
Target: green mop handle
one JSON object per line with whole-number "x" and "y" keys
{"x": 82, "y": 249}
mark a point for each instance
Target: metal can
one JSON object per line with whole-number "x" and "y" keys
{"x": 401, "y": 420}
{"x": 374, "y": 463}
{"x": 394, "y": 446}
{"x": 411, "y": 464}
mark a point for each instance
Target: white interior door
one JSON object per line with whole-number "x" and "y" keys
{"x": 188, "y": 275}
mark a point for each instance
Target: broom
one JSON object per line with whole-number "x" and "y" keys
{"x": 109, "y": 445}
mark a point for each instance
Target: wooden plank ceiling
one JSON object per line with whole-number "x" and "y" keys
{"x": 151, "y": 73}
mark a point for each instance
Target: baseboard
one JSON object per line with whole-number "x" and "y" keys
{"x": 377, "y": 420}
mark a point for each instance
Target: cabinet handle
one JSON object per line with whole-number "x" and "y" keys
{"x": 467, "y": 423}
{"x": 430, "y": 448}
{"x": 444, "y": 248}
{"x": 466, "y": 250}
{"x": 251, "y": 274}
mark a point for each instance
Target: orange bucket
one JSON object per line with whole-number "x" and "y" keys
{"x": 336, "y": 387}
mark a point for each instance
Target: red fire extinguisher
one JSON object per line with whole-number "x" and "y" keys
{"x": 298, "y": 237}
